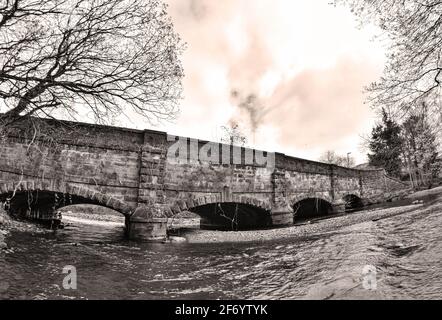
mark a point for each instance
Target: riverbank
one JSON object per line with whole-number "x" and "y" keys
{"x": 432, "y": 203}
{"x": 8, "y": 224}
{"x": 69, "y": 216}
{"x": 425, "y": 193}
{"x": 296, "y": 231}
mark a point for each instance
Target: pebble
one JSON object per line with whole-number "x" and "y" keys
{"x": 177, "y": 239}
{"x": 327, "y": 225}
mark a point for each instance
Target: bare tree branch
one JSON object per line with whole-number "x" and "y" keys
{"x": 108, "y": 57}
{"x": 413, "y": 73}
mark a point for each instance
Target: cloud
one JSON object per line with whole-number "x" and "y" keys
{"x": 321, "y": 107}
{"x": 306, "y": 60}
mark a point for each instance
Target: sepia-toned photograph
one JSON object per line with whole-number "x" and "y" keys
{"x": 200, "y": 151}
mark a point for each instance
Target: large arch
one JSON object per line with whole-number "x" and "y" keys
{"x": 52, "y": 194}
{"x": 238, "y": 213}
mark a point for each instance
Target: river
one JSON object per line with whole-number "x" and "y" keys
{"x": 405, "y": 252}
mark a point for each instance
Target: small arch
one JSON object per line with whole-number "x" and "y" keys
{"x": 304, "y": 196}
{"x": 309, "y": 208}
{"x": 352, "y": 202}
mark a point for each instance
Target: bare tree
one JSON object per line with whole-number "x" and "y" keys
{"x": 232, "y": 134}
{"x": 413, "y": 73}
{"x": 332, "y": 158}
{"x": 70, "y": 57}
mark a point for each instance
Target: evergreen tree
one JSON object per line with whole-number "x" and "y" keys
{"x": 386, "y": 146}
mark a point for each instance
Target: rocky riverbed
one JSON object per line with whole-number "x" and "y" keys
{"x": 424, "y": 202}
{"x": 302, "y": 230}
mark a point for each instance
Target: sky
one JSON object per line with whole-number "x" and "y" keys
{"x": 307, "y": 63}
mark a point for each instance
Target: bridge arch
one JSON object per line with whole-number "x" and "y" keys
{"x": 237, "y": 213}
{"x": 75, "y": 195}
{"x": 352, "y": 201}
{"x": 311, "y": 206}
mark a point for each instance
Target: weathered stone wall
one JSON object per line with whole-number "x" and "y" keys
{"x": 395, "y": 184}
{"x": 79, "y": 159}
{"x": 189, "y": 178}
{"x": 132, "y": 166}
{"x": 303, "y": 179}
{"x": 374, "y": 184}
{"x": 134, "y": 169}
{"x": 152, "y": 162}
{"x": 309, "y": 179}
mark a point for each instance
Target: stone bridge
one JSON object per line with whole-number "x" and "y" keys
{"x": 149, "y": 176}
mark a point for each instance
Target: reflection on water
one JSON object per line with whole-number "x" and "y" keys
{"x": 404, "y": 249}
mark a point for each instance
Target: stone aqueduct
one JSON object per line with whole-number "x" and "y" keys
{"x": 131, "y": 172}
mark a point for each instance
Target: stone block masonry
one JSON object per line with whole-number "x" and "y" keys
{"x": 136, "y": 173}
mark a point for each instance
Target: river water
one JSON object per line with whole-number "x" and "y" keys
{"x": 405, "y": 252}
